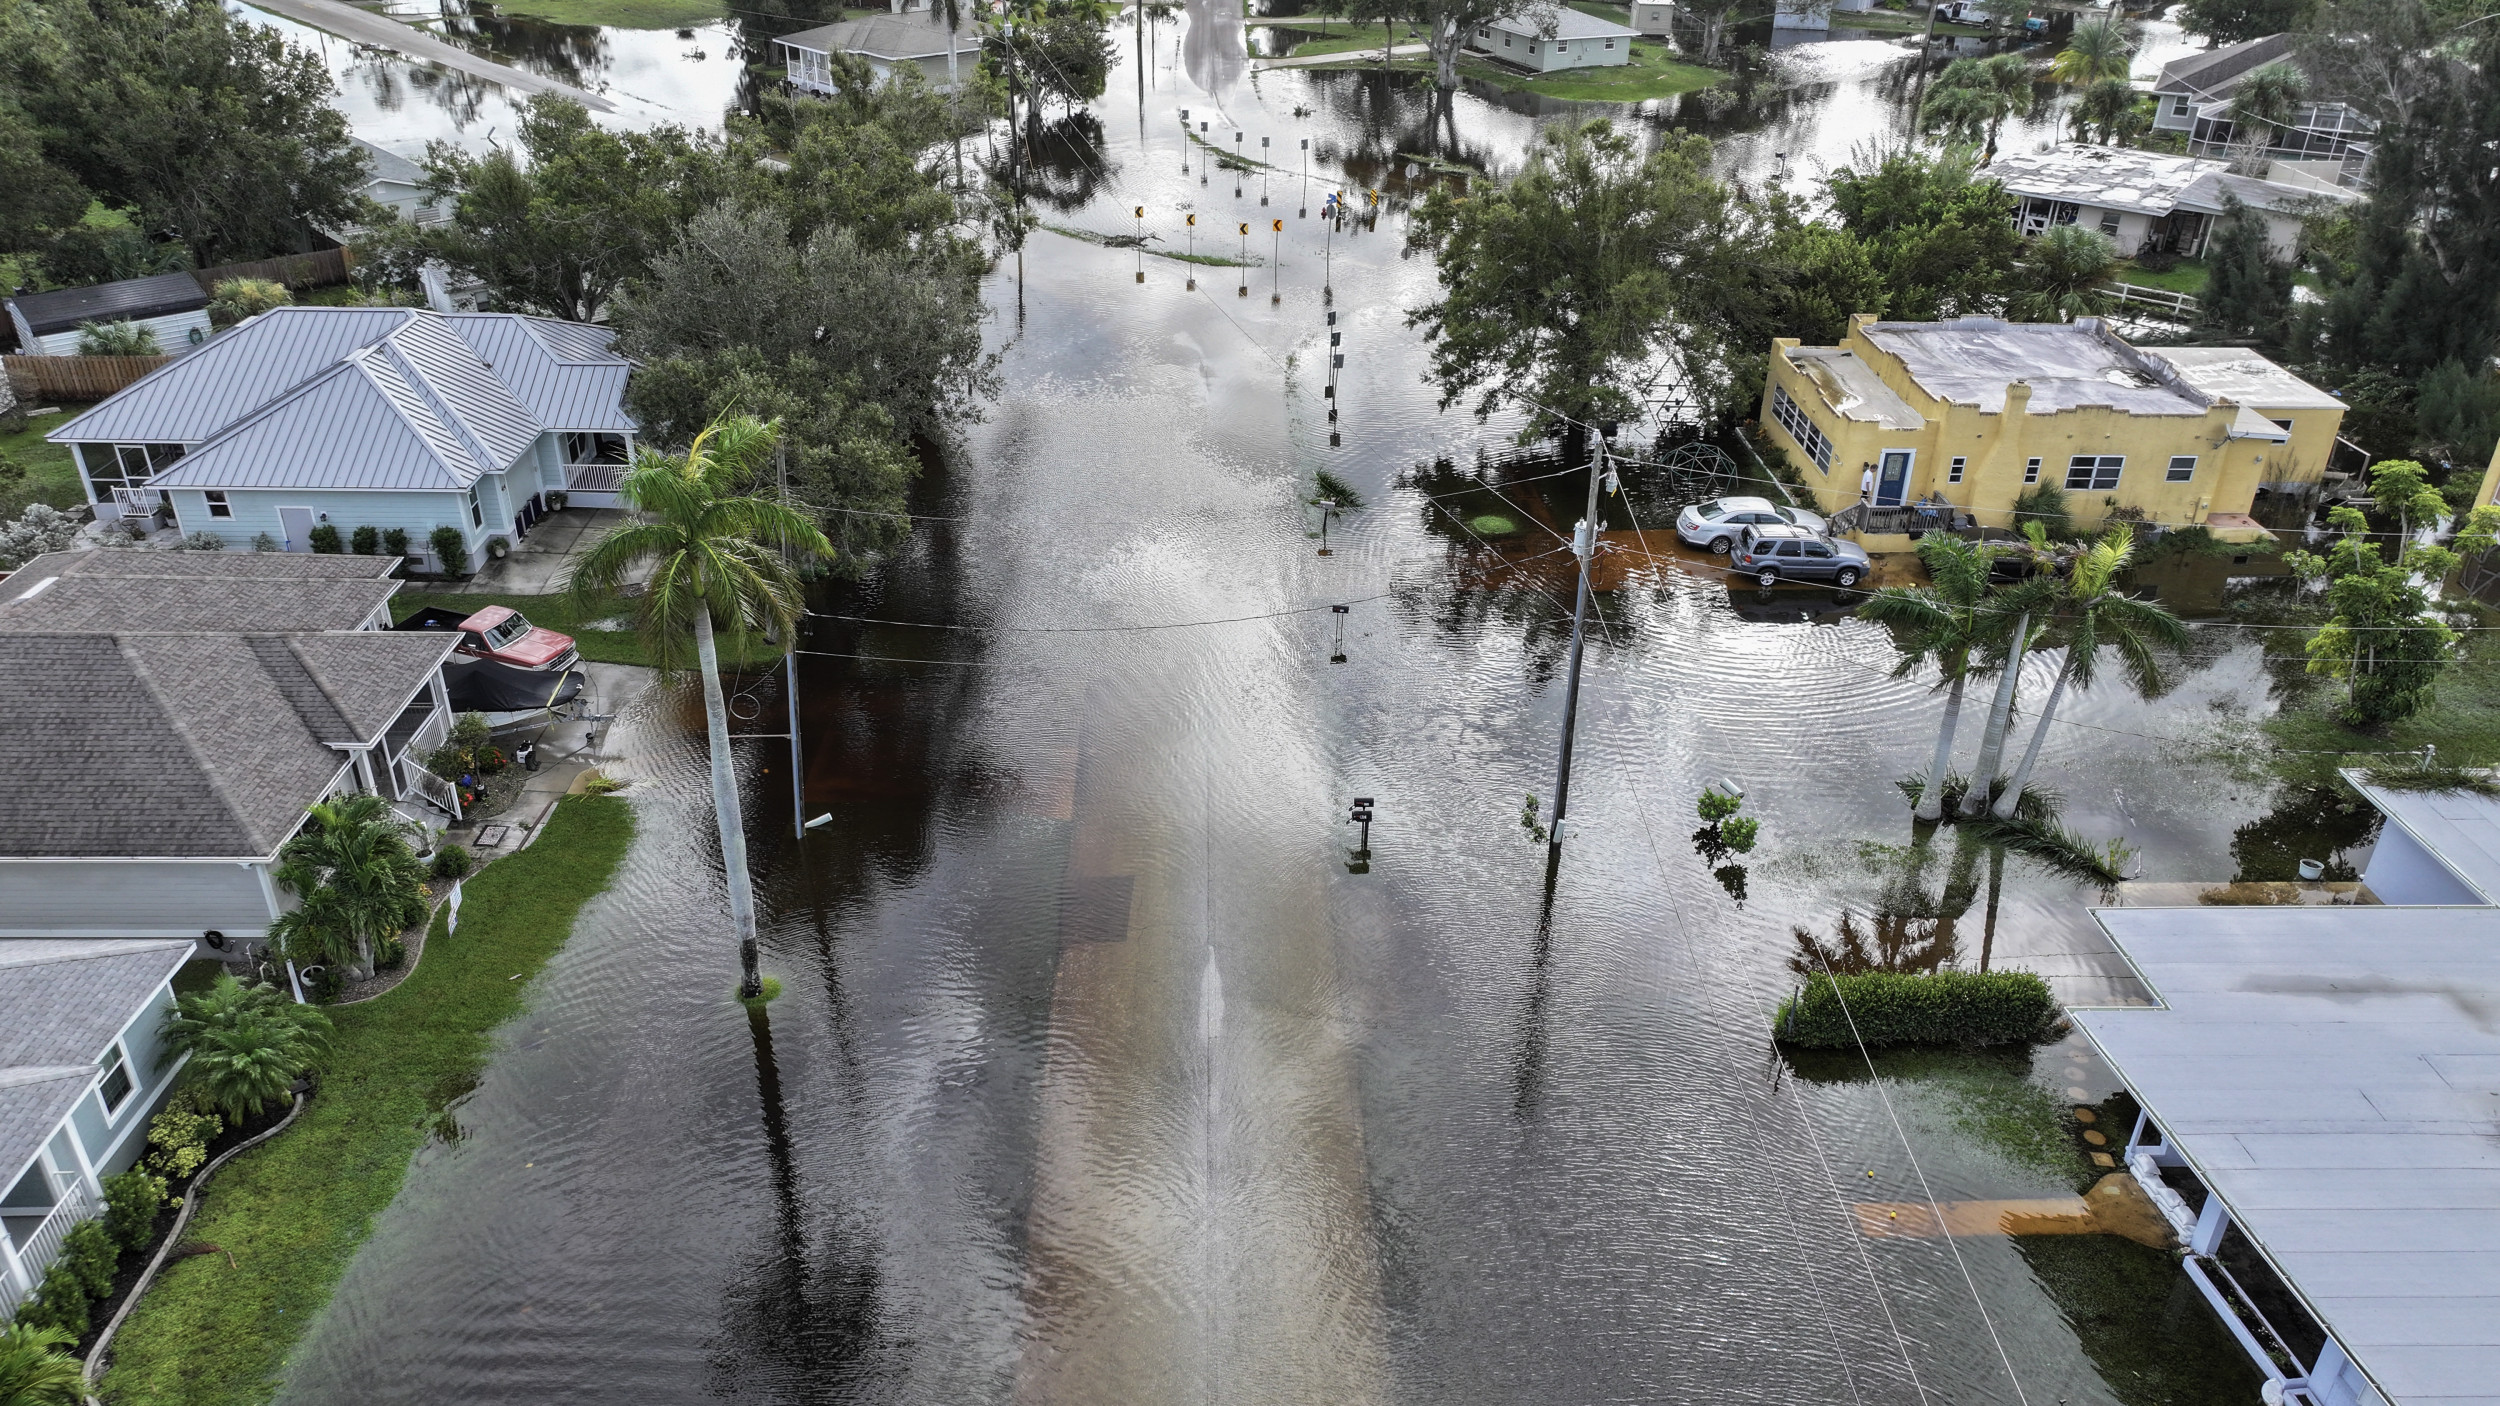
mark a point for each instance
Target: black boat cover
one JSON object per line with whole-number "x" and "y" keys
{"x": 484, "y": 686}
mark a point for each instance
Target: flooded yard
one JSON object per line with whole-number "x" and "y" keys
{"x": 1107, "y": 1071}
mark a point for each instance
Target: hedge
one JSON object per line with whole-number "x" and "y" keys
{"x": 1917, "y": 1008}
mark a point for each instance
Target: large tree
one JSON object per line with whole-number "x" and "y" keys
{"x": 1942, "y": 237}
{"x": 714, "y": 555}
{"x": 2248, "y": 291}
{"x": 2091, "y": 612}
{"x": 1945, "y": 624}
{"x": 2230, "y": 21}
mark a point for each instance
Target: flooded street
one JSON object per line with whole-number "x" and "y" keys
{"x": 1106, "y": 1071}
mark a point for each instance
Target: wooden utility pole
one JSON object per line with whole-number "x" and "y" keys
{"x": 1583, "y": 546}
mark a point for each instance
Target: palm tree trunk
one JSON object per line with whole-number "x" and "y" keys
{"x": 733, "y": 835}
{"x": 1931, "y": 795}
{"x": 2048, "y": 713}
{"x": 1992, "y": 741}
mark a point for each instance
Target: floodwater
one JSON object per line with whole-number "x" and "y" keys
{"x": 1105, "y": 1070}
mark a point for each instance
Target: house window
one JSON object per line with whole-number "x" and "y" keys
{"x": 1482, "y": 33}
{"x": 2097, "y": 474}
{"x": 2109, "y": 223}
{"x": 477, "y": 514}
{"x": 1562, "y": 46}
{"x": 2182, "y": 468}
{"x": 1793, "y": 419}
{"x": 217, "y": 504}
{"x": 2031, "y": 471}
{"x": 1610, "y": 43}
{"x": 115, "y": 1090}
{"x": 2179, "y": 107}
{"x": 1954, "y": 474}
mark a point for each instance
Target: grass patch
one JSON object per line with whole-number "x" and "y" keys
{"x": 2308, "y": 744}
{"x": 294, "y": 1211}
{"x": 1654, "y": 72}
{"x": 2187, "y": 276}
{"x": 770, "y": 994}
{"x": 1209, "y": 260}
{"x": 51, "y": 474}
{"x": 560, "y": 613}
{"x": 619, "y": 14}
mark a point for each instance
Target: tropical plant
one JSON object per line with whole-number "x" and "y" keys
{"x": 1940, "y": 623}
{"x": 2383, "y": 639}
{"x": 2007, "y": 662}
{"x": 122, "y": 338}
{"x": 2091, "y": 613}
{"x": 1973, "y": 97}
{"x": 2064, "y": 275}
{"x": 2095, "y": 52}
{"x": 2264, "y": 103}
{"x": 179, "y": 1135}
{"x": 248, "y": 1044}
{"x": 2111, "y": 107}
{"x": 717, "y": 558}
{"x": 359, "y": 881}
{"x": 234, "y": 299}
{"x": 36, "y": 1368}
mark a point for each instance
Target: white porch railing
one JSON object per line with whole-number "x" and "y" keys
{"x": 44, "y": 1246}
{"x": 431, "y": 789}
{"x": 594, "y": 478}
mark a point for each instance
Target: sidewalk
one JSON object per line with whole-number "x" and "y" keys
{"x": 1402, "y": 51}
{"x": 535, "y": 565}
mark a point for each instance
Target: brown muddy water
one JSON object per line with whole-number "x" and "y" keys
{"x": 1105, "y": 1072}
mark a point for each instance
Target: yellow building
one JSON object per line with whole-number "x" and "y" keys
{"x": 2489, "y": 494}
{"x": 1976, "y": 411}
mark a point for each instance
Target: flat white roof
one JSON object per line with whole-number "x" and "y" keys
{"x": 2460, "y": 827}
{"x": 1969, "y": 360}
{"x": 2333, "y": 1074}
{"x": 1853, "y": 389}
{"x": 2236, "y": 373}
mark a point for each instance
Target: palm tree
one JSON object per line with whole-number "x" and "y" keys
{"x": 359, "y": 880}
{"x": 2112, "y": 107}
{"x": 2062, "y": 275}
{"x": 718, "y": 559}
{"x": 36, "y": 1368}
{"x": 2267, "y": 99}
{"x": 2009, "y": 670}
{"x": 2094, "y": 614}
{"x": 2009, "y": 79}
{"x": 247, "y": 1044}
{"x": 1942, "y": 623}
{"x": 2095, "y": 51}
{"x": 1959, "y": 111}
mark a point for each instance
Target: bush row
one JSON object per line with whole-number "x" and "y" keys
{"x": 92, "y": 1252}
{"x": 1917, "y": 1008}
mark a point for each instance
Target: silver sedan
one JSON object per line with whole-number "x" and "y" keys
{"x": 1715, "y": 523}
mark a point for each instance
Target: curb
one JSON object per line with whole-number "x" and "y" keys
{"x": 190, "y": 1203}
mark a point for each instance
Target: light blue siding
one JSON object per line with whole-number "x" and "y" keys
{"x": 417, "y": 513}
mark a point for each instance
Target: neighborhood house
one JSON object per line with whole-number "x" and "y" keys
{"x": 2322, "y": 140}
{"x": 1976, "y": 411}
{"x": 2149, "y": 203}
{"x": 1574, "y": 40}
{"x": 908, "y": 37}
{"x": 347, "y": 417}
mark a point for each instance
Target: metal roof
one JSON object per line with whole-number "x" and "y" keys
{"x": 91, "y": 603}
{"x": 2333, "y": 1074}
{"x": 2236, "y": 373}
{"x": 2143, "y": 182}
{"x": 2461, "y": 828}
{"x": 195, "y": 396}
{"x": 240, "y": 734}
{"x": 1970, "y": 360}
{"x": 61, "y": 1003}
{"x": 569, "y": 374}
{"x": 132, "y": 298}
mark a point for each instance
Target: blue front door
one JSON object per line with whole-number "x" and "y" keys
{"x": 1894, "y": 481}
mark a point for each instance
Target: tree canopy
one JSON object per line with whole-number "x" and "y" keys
{"x": 1941, "y": 238}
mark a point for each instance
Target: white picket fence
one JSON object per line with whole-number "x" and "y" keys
{"x": 44, "y": 1246}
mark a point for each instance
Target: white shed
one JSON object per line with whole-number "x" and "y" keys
{"x": 1575, "y": 40}
{"x": 172, "y": 305}
{"x": 1654, "y": 19}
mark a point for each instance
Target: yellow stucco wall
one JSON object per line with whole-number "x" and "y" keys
{"x": 2489, "y": 493}
{"x": 1996, "y": 448}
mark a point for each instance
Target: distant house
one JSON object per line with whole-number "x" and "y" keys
{"x": 2147, "y": 202}
{"x": 1974, "y": 412}
{"x": 243, "y": 726}
{"x": 1808, "y": 14}
{"x": 912, "y": 37}
{"x": 1577, "y": 41}
{"x": 2325, "y": 141}
{"x": 172, "y": 305}
{"x": 382, "y": 417}
{"x": 79, "y": 1079}
{"x": 1654, "y": 19}
{"x": 398, "y": 184}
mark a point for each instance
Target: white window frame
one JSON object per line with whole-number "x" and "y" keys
{"x": 1801, "y": 429}
{"x": 1953, "y": 474}
{"x": 2182, "y": 469}
{"x": 116, "y": 1060}
{"x": 2031, "y": 471}
{"x": 218, "y": 506}
{"x": 477, "y": 510}
{"x": 2095, "y": 464}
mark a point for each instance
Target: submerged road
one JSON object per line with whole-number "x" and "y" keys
{"x": 383, "y": 32}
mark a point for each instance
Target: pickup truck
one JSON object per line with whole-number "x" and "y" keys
{"x": 501, "y": 634}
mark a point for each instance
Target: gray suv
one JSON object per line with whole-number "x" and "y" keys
{"x": 1771, "y": 555}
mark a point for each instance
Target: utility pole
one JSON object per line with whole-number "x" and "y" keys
{"x": 1583, "y": 546}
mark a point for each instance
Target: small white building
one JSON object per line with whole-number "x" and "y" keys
{"x": 2147, "y": 202}
{"x": 1654, "y": 19}
{"x": 172, "y": 305}
{"x": 910, "y": 36}
{"x": 398, "y": 184}
{"x": 1565, "y": 38}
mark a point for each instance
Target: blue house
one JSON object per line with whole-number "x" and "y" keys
{"x": 352, "y": 417}
{"x": 79, "y": 1078}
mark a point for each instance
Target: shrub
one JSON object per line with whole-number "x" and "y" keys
{"x": 59, "y": 1302}
{"x": 1917, "y": 1008}
{"x": 497, "y": 548}
{"x": 131, "y": 1201}
{"x": 2045, "y": 504}
{"x": 263, "y": 542}
{"x": 203, "y": 542}
{"x": 453, "y": 862}
{"x": 395, "y": 541}
{"x": 325, "y": 540}
{"x": 599, "y": 785}
{"x": 35, "y": 1365}
{"x": 41, "y": 528}
{"x": 463, "y": 751}
{"x": 1740, "y": 832}
{"x": 1716, "y": 805}
{"x": 92, "y": 1256}
{"x": 366, "y": 540}
{"x": 117, "y": 339}
{"x": 247, "y": 1044}
{"x": 180, "y": 1136}
{"x": 451, "y": 549}
{"x": 234, "y": 299}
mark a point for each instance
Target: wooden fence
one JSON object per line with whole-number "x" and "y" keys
{"x": 318, "y": 269}
{"x": 43, "y": 379}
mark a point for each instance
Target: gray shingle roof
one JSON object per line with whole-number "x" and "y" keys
{"x": 883, "y": 36}
{"x": 61, "y": 1003}
{"x": 1568, "y": 23}
{"x": 2217, "y": 71}
{"x": 81, "y": 604}
{"x": 233, "y": 736}
{"x": 364, "y": 398}
{"x": 390, "y": 165}
{"x": 156, "y": 296}
{"x": 246, "y": 566}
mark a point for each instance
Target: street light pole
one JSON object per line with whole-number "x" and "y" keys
{"x": 1583, "y": 546}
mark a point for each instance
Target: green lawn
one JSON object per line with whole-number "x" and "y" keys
{"x": 619, "y": 14}
{"x": 51, "y": 474}
{"x": 560, "y": 614}
{"x": 292, "y": 1212}
{"x": 1351, "y": 41}
{"x": 1654, "y": 72}
{"x": 2187, "y": 276}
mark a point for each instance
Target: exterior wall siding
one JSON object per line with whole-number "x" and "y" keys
{"x": 131, "y": 898}
{"x": 173, "y": 334}
{"x": 2402, "y": 871}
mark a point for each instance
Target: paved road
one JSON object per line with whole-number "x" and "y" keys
{"x": 1403, "y": 51}
{"x": 383, "y": 32}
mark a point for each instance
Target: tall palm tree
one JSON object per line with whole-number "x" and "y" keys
{"x": 1940, "y": 623}
{"x": 718, "y": 558}
{"x": 2094, "y": 52}
{"x": 2093, "y": 614}
{"x": 2009, "y": 81}
{"x": 359, "y": 880}
{"x": 2265, "y": 101}
{"x": 1959, "y": 111}
{"x": 36, "y": 1368}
